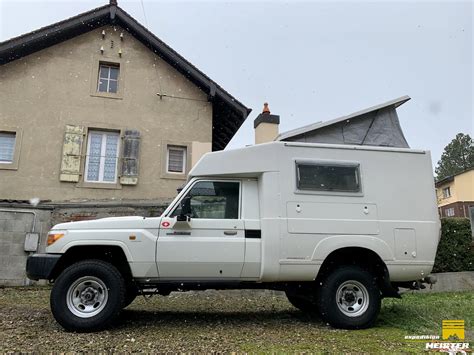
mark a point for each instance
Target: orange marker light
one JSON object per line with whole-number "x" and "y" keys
{"x": 53, "y": 237}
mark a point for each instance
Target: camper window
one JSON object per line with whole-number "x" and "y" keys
{"x": 328, "y": 177}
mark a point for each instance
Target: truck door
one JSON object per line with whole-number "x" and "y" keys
{"x": 211, "y": 245}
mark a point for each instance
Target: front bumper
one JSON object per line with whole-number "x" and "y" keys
{"x": 40, "y": 266}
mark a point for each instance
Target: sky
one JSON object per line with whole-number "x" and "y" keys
{"x": 312, "y": 60}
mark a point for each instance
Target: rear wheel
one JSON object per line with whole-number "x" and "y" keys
{"x": 88, "y": 296}
{"x": 349, "y": 298}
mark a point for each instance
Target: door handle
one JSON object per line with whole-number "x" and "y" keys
{"x": 230, "y": 232}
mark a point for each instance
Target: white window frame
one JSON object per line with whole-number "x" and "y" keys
{"x": 448, "y": 190}
{"x": 450, "y": 212}
{"x": 14, "y": 134}
{"x": 184, "y": 151}
{"x": 326, "y": 163}
{"x": 106, "y": 65}
{"x": 102, "y": 156}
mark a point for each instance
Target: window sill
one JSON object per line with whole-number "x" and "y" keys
{"x": 117, "y": 96}
{"x": 173, "y": 176}
{"x": 8, "y": 166}
{"x": 99, "y": 185}
{"x": 329, "y": 193}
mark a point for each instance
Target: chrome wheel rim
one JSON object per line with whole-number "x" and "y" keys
{"x": 352, "y": 298}
{"x": 87, "y": 296}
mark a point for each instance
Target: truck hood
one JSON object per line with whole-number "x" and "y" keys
{"x": 130, "y": 222}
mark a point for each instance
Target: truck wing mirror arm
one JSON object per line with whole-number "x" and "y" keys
{"x": 185, "y": 214}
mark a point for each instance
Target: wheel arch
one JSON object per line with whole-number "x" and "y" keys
{"x": 113, "y": 254}
{"x": 363, "y": 257}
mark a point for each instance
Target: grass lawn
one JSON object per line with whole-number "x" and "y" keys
{"x": 230, "y": 321}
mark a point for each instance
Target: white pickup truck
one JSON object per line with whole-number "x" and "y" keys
{"x": 336, "y": 227}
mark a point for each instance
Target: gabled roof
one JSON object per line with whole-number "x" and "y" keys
{"x": 451, "y": 178}
{"x": 314, "y": 126}
{"x": 228, "y": 112}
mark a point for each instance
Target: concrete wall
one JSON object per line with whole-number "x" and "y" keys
{"x": 14, "y": 224}
{"x": 41, "y": 93}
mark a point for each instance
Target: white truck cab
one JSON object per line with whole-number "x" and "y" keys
{"x": 336, "y": 227}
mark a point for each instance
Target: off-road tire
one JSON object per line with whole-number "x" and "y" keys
{"x": 327, "y": 298}
{"x": 115, "y": 291}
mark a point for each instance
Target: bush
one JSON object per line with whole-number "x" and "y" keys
{"x": 455, "y": 247}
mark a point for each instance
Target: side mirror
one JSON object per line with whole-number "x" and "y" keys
{"x": 185, "y": 210}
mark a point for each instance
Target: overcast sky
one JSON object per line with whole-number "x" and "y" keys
{"x": 312, "y": 60}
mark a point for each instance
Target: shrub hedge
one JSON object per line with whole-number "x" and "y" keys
{"x": 455, "y": 251}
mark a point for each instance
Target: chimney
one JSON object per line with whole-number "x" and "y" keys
{"x": 266, "y": 126}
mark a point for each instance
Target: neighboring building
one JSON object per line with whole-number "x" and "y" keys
{"x": 98, "y": 117}
{"x": 456, "y": 195}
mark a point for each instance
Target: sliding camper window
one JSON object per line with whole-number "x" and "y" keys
{"x": 328, "y": 177}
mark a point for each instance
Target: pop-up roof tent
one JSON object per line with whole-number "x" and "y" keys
{"x": 376, "y": 126}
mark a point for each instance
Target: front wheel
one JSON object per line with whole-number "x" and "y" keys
{"x": 349, "y": 298}
{"x": 88, "y": 296}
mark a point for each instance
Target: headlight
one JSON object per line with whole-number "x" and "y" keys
{"x": 53, "y": 236}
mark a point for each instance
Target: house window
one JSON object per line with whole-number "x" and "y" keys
{"x": 328, "y": 177}
{"x": 108, "y": 78}
{"x": 7, "y": 147}
{"x": 102, "y": 157}
{"x": 447, "y": 192}
{"x": 450, "y": 212}
{"x": 176, "y": 160}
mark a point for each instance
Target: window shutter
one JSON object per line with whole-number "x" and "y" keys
{"x": 131, "y": 149}
{"x": 71, "y": 158}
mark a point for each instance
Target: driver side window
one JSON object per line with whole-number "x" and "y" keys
{"x": 213, "y": 200}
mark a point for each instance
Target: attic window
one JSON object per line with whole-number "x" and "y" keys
{"x": 108, "y": 78}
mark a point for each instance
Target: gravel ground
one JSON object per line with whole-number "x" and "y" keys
{"x": 229, "y": 321}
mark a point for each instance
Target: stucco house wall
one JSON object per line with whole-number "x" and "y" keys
{"x": 45, "y": 91}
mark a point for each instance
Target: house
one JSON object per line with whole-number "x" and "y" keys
{"x": 98, "y": 117}
{"x": 97, "y": 107}
{"x": 456, "y": 195}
